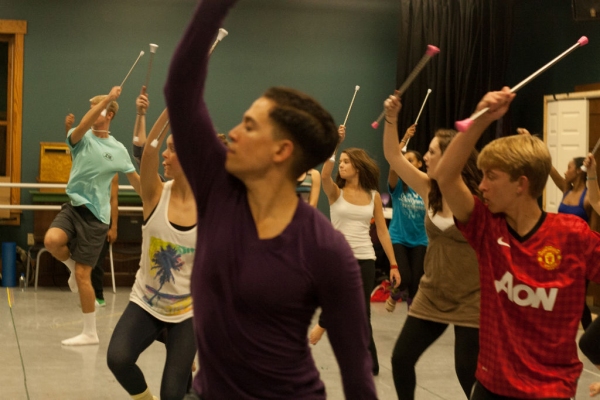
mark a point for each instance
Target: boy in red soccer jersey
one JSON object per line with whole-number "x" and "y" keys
{"x": 533, "y": 265}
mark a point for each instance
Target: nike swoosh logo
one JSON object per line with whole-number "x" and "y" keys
{"x": 502, "y": 242}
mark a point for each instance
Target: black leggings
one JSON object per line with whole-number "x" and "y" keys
{"x": 481, "y": 393}
{"x": 367, "y": 271}
{"x": 410, "y": 265}
{"x": 416, "y": 336}
{"x": 135, "y": 331}
{"x": 589, "y": 343}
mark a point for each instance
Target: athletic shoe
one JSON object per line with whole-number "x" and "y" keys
{"x": 100, "y": 303}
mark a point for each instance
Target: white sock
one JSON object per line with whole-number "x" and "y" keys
{"x": 70, "y": 263}
{"x": 88, "y": 336}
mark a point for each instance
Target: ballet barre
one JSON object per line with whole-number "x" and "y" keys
{"x": 44, "y": 207}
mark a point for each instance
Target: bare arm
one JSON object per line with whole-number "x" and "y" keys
{"x": 139, "y": 130}
{"x": 414, "y": 178}
{"x": 557, "y": 178}
{"x": 134, "y": 180}
{"x": 315, "y": 188}
{"x": 448, "y": 172}
{"x": 332, "y": 191}
{"x": 114, "y": 210}
{"x": 69, "y": 120}
{"x": 392, "y": 175}
{"x": 384, "y": 238}
{"x": 592, "y": 182}
{"x": 150, "y": 180}
{"x": 92, "y": 115}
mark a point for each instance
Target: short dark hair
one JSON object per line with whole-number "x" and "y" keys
{"x": 306, "y": 123}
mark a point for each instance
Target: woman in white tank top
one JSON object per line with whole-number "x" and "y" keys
{"x": 160, "y": 304}
{"x": 354, "y": 201}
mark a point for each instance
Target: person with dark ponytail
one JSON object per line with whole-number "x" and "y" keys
{"x": 449, "y": 289}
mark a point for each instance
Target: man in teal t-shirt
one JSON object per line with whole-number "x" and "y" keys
{"x": 77, "y": 234}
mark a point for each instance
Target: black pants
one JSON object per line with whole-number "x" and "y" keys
{"x": 589, "y": 343}
{"x": 367, "y": 271}
{"x": 416, "y": 336}
{"x": 410, "y": 265}
{"x": 481, "y": 393}
{"x": 135, "y": 331}
{"x": 98, "y": 273}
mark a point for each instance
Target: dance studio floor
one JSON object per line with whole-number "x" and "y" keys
{"x": 55, "y": 372}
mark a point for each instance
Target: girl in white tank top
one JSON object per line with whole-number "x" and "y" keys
{"x": 354, "y": 201}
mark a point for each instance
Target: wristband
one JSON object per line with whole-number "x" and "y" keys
{"x": 395, "y": 266}
{"x": 386, "y": 120}
{"x": 141, "y": 114}
{"x": 591, "y": 179}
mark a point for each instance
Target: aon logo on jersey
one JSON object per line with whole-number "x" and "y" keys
{"x": 525, "y": 296}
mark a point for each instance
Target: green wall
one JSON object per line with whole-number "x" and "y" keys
{"x": 75, "y": 49}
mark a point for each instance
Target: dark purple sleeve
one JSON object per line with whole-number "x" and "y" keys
{"x": 198, "y": 148}
{"x": 341, "y": 297}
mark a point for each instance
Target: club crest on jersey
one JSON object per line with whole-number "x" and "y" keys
{"x": 549, "y": 258}
{"x": 108, "y": 156}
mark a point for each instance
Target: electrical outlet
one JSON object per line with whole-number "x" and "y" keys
{"x": 30, "y": 239}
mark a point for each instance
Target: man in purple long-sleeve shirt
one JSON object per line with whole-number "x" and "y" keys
{"x": 264, "y": 260}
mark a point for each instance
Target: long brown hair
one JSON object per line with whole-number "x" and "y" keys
{"x": 471, "y": 175}
{"x": 368, "y": 171}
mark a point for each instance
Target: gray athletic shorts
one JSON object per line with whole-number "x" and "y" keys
{"x": 85, "y": 232}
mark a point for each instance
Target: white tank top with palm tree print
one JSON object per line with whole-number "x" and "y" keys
{"x": 162, "y": 284}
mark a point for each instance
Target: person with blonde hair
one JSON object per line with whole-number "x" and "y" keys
{"x": 533, "y": 265}
{"x": 354, "y": 201}
{"x": 265, "y": 260}
{"x": 77, "y": 234}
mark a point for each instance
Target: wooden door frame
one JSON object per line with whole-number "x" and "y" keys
{"x": 16, "y": 30}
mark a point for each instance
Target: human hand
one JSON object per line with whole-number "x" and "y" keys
{"x": 111, "y": 236}
{"x": 142, "y": 103}
{"x": 523, "y": 131}
{"x": 410, "y": 132}
{"x": 590, "y": 166}
{"x": 392, "y": 106}
{"x": 395, "y": 277}
{"x": 497, "y": 103}
{"x": 594, "y": 389}
{"x": 342, "y": 133}
{"x": 115, "y": 92}
{"x": 69, "y": 120}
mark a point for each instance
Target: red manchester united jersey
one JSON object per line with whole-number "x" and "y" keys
{"x": 532, "y": 295}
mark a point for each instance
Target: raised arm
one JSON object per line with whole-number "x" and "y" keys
{"x": 69, "y": 120}
{"x": 448, "y": 171}
{"x": 195, "y": 137}
{"x": 410, "y": 175}
{"x": 315, "y": 188}
{"x": 139, "y": 129}
{"x": 92, "y": 115}
{"x": 592, "y": 182}
{"x": 557, "y": 178}
{"x": 332, "y": 191}
{"x": 150, "y": 180}
{"x": 392, "y": 175}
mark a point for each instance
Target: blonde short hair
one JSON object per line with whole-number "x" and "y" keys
{"x": 113, "y": 106}
{"x": 519, "y": 155}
